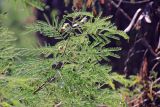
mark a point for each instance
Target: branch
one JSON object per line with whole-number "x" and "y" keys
{"x": 120, "y": 9}
{"x": 132, "y": 21}
{"x": 41, "y": 86}
{"x": 135, "y": 2}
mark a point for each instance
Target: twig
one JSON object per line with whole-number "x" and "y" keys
{"x": 138, "y": 105}
{"x": 119, "y": 3}
{"x": 132, "y": 21}
{"x": 147, "y": 45}
{"x": 155, "y": 65}
{"x": 135, "y": 99}
{"x": 58, "y": 105}
{"x": 158, "y": 79}
{"x": 157, "y": 30}
{"x": 158, "y": 92}
{"x": 120, "y": 9}
{"x": 136, "y": 2}
{"x": 154, "y": 82}
{"x": 41, "y": 86}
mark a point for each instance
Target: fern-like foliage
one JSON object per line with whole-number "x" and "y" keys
{"x": 73, "y": 76}
{"x": 45, "y": 29}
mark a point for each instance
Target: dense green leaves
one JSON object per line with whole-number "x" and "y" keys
{"x": 73, "y": 75}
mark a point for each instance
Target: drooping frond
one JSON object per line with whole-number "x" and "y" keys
{"x": 44, "y": 28}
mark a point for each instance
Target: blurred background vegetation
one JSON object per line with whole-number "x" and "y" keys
{"x": 16, "y": 18}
